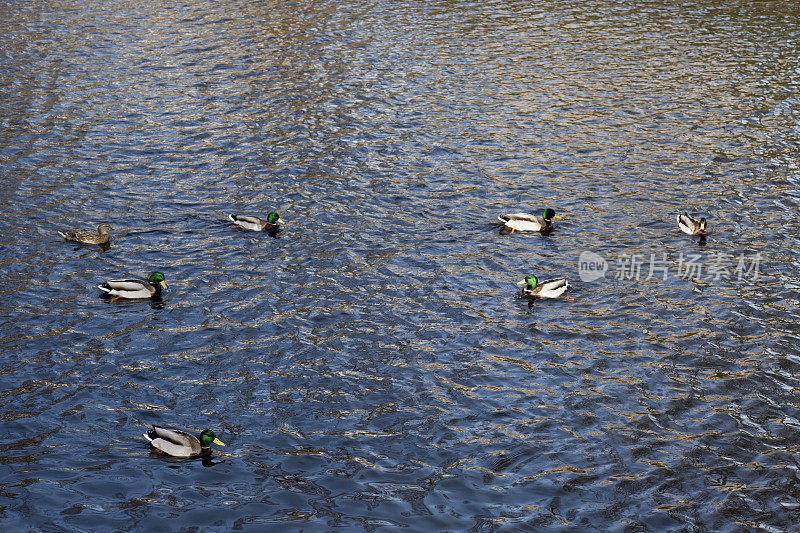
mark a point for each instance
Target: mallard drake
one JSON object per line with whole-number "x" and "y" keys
{"x": 552, "y": 288}
{"x": 181, "y": 444}
{"x": 691, "y": 226}
{"x": 528, "y": 222}
{"x": 256, "y": 224}
{"x": 132, "y": 289}
{"x": 88, "y": 236}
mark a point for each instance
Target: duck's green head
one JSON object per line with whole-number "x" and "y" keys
{"x": 549, "y": 214}
{"x": 157, "y": 278}
{"x": 207, "y": 437}
{"x": 274, "y": 218}
{"x": 530, "y": 281}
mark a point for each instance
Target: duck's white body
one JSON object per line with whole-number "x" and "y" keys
{"x": 524, "y": 222}
{"x": 130, "y": 289}
{"x": 691, "y": 226}
{"x": 252, "y": 223}
{"x": 552, "y": 288}
{"x": 176, "y": 443}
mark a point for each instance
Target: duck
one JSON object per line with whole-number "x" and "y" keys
{"x": 178, "y": 443}
{"x": 691, "y": 226}
{"x": 88, "y": 236}
{"x": 131, "y": 289}
{"x": 252, "y": 223}
{"x": 552, "y": 288}
{"x": 529, "y": 222}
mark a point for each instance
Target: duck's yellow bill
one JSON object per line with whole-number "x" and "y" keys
{"x": 163, "y": 284}
{"x": 523, "y": 282}
{"x": 556, "y": 216}
{"x": 218, "y": 442}
{"x": 280, "y": 220}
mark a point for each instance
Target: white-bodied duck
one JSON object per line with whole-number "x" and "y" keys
{"x": 529, "y": 222}
{"x": 133, "y": 289}
{"x": 181, "y": 444}
{"x": 552, "y": 288}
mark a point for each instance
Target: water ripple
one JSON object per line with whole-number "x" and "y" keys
{"x": 371, "y": 366}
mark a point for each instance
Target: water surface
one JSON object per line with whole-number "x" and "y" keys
{"x": 372, "y": 368}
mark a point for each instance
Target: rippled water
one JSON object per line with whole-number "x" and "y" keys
{"x": 372, "y": 368}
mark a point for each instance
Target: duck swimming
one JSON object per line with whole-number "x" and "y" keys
{"x": 529, "y": 222}
{"x": 552, "y": 288}
{"x": 257, "y": 224}
{"x": 181, "y": 444}
{"x": 132, "y": 289}
{"x": 88, "y": 236}
{"x": 691, "y": 226}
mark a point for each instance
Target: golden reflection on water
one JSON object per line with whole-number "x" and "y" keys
{"x": 380, "y": 334}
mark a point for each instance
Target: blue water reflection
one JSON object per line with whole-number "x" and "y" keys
{"x": 373, "y": 367}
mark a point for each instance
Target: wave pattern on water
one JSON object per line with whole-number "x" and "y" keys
{"x": 371, "y": 367}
